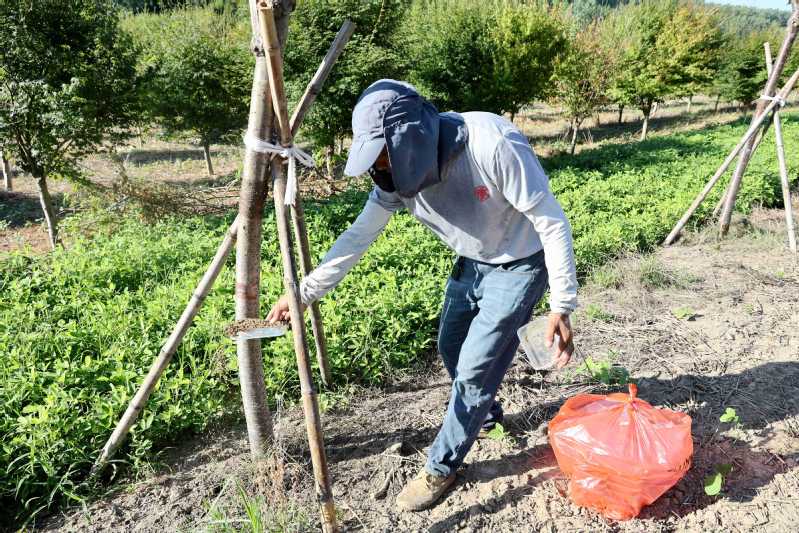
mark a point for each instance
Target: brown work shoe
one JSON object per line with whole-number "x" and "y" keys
{"x": 422, "y": 491}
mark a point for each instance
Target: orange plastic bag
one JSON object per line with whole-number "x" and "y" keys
{"x": 619, "y": 452}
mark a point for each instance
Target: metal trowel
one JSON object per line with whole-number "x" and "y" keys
{"x": 261, "y": 333}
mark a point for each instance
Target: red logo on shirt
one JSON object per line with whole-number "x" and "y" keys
{"x": 481, "y": 193}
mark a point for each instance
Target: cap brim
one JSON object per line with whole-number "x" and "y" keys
{"x": 363, "y": 155}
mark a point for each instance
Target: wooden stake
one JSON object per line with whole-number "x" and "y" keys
{"x": 313, "y": 423}
{"x": 7, "y": 175}
{"x": 746, "y": 154}
{"x": 297, "y": 212}
{"x": 167, "y": 351}
{"x": 725, "y": 165}
{"x": 786, "y": 188}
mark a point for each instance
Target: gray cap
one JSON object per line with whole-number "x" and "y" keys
{"x": 368, "y": 137}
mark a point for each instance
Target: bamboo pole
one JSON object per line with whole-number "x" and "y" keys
{"x": 7, "y": 174}
{"x": 192, "y": 308}
{"x": 313, "y": 423}
{"x": 771, "y": 85}
{"x": 786, "y": 188}
{"x": 168, "y": 350}
{"x": 297, "y": 212}
{"x": 725, "y": 165}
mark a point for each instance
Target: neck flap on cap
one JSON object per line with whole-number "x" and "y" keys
{"x": 420, "y": 142}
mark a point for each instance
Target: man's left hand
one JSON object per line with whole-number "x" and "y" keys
{"x": 561, "y": 325}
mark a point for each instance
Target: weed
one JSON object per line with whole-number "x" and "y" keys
{"x": 684, "y": 313}
{"x": 499, "y": 433}
{"x": 730, "y": 417}
{"x": 607, "y": 277}
{"x": 715, "y": 481}
{"x": 595, "y": 312}
{"x": 604, "y": 371}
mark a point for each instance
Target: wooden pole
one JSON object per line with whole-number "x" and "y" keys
{"x": 786, "y": 188}
{"x": 746, "y": 154}
{"x": 169, "y": 348}
{"x": 297, "y": 211}
{"x": 167, "y": 351}
{"x": 725, "y": 165}
{"x": 313, "y": 423}
{"x": 7, "y": 175}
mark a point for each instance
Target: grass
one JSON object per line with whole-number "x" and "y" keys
{"x": 79, "y": 328}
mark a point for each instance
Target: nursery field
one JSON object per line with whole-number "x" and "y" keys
{"x": 80, "y": 326}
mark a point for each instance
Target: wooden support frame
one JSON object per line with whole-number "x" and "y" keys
{"x": 785, "y": 184}
{"x": 749, "y": 135}
{"x": 313, "y": 421}
{"x": 748, "y": 150}
{"x": 200, "y": 292}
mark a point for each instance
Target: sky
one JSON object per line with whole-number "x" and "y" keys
{"x": 774, "y": 4}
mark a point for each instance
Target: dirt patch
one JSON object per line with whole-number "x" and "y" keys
{"x": 736, "y": 348}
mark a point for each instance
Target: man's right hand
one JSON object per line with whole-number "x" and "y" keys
{"x": 280, "y": 311}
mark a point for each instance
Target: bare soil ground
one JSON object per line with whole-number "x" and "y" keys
{"x": 701, "y": 326}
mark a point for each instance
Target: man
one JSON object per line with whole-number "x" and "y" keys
{"x": 473, "y": 179}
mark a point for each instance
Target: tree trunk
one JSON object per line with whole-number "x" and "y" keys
{"x": 654, "y": 110}
{"x": 716, "y": 107}
{"x": 690, "y": 103}
{"x": 7, "y": 174}
{"x": 512, "y": 116}
{"x": 329, "y": 161}
{"x": 207, "y": 154}
{"x": 771, "y": 86}
{"x": 621, "y": 113}
{"x": 47, "y": 207}
{"x": 647, "y": 112}
{"x": 575, "y": 128}
{"x": 248, "y": 265}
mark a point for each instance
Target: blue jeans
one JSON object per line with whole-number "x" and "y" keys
{"x": 484, "y": 305}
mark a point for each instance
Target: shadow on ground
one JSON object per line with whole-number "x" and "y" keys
{"x": 18, "y": 209}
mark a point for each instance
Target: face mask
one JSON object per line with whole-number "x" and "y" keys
{"x": 382, "y": 179}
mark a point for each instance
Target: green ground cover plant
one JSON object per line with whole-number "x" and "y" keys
{"x": 80, "y": 327}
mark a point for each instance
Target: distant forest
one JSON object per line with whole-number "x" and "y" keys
{"x": 736, "y": 19}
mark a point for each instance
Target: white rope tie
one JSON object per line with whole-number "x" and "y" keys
{"x": 291, "y": 153}
{"x": 780, "y": 100}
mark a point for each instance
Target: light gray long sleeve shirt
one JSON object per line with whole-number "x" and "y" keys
{"x": 493, "y": 205}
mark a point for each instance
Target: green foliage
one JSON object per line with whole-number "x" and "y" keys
{"x": 658, "y": 56}
{"x": 604, "y": 371}
{"x": 582, "y": 75}
{"x": 715, "y": 481}
{"x": 742, "y": 74}
{"x": 684, "y": 313}
{"x": 498, "y": 433}
{"x": 468, "y": 55}
{"x": 80, "y": 328}
{"x": 595, "y": 312}
{"x": 67, "y": 82}
{"x": 730, "y": 416}
{"x": 201, "y": 74}
{"x": 370, "y": 55}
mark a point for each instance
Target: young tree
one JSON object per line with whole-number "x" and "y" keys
{"x": 526, "y": 41}
{"x": 67, "y": 83}
{"x": 582, "y": 77}
{"x": 742, "y": 71}
{"x": 688, "y": 50}
{"x": 201, "y": 80}
{"x": 468, "y": 55}
{"x": 370, "y": 55}
{"x": 667, "y": 47}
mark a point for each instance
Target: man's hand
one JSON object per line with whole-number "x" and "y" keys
{"x": 280, "y": 311}
{"x": 559, "y": 324}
